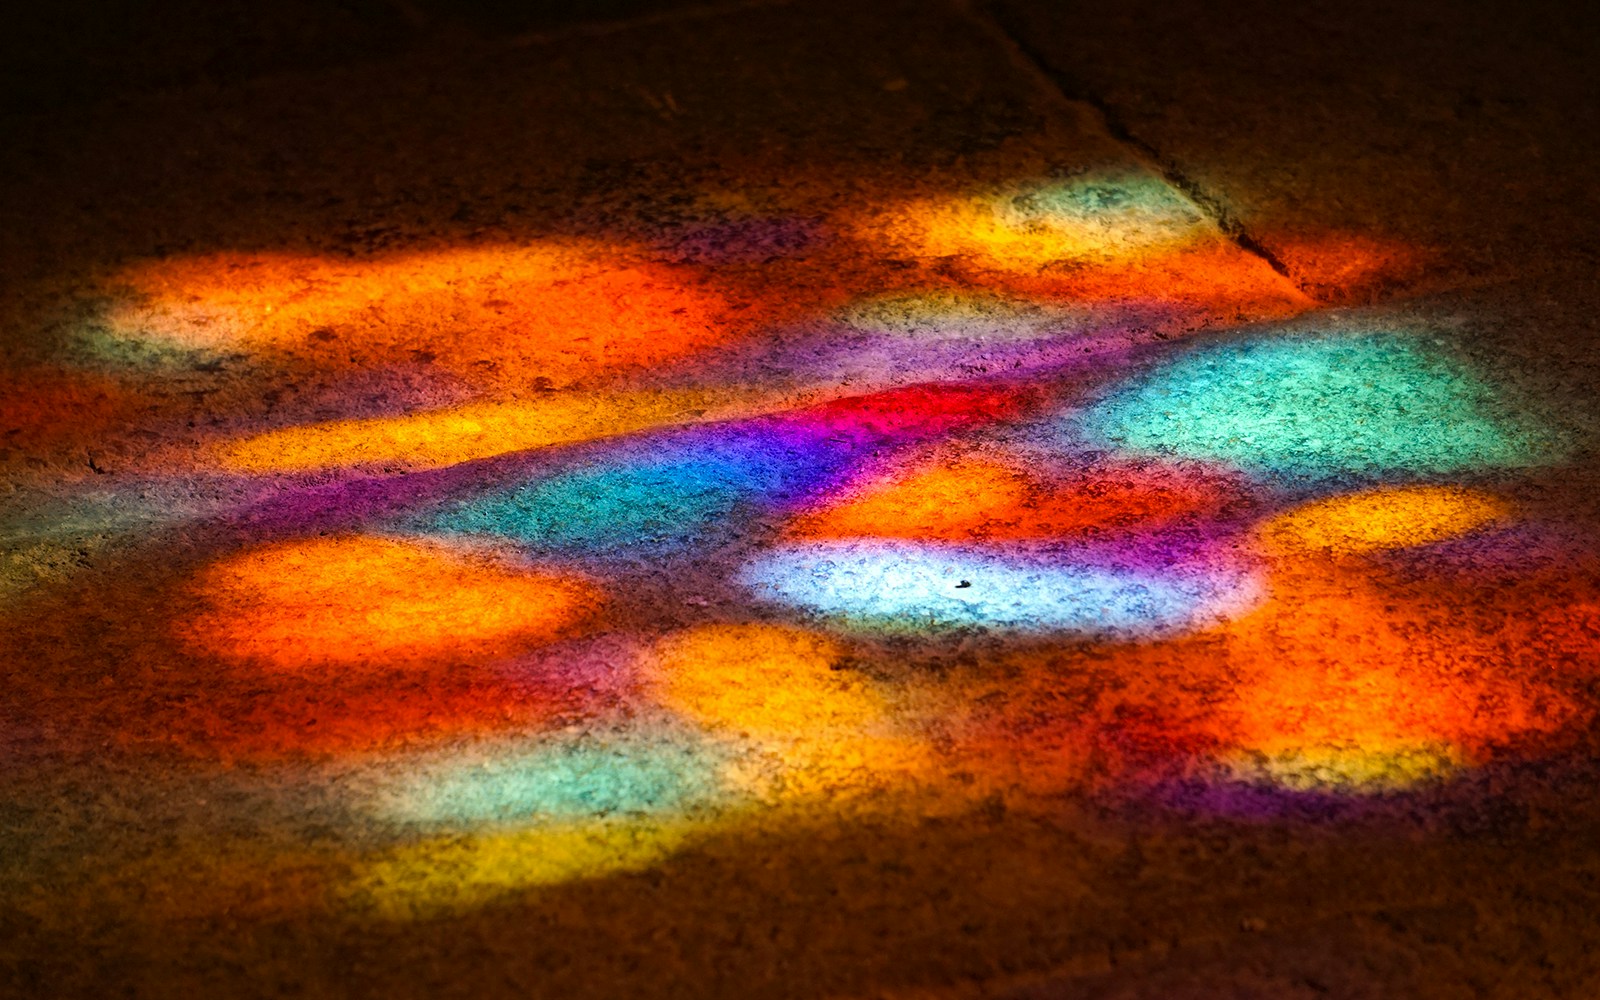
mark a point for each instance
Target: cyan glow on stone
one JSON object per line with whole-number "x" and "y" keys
{"x": 1317, "y": 407}
{"x": 666, "y": 501}
{"x": 912, "y": 587}
{"x": 667, "y": 497}
{"x": 558, "y": 782}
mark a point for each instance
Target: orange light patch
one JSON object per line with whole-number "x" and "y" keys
{"x": 376, "y": 603}
{"x": 553, "y": 313}
{"x": 823, "y": 729}
{"x": 1112, "y": 236}
{"x": 1383, "y": 519}
{"x": 461, "y": 434}
{"x": 1340, "y": 678}
{"x": 763, "y": 680}
{"x": 974, "y": 498}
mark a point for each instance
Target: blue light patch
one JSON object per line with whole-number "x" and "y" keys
{"x": 919, "y": 588}
{"x": 1318, "y": 408}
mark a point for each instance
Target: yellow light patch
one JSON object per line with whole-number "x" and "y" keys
{"x": 460, "y": 434}
{"x": 453, "y": 873}
{"x": 1381, "y": 519}
{"x": 1104, "y": 217}
{"x": 1363, "y": 768}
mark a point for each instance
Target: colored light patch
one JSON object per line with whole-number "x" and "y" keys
{"x": 450, "y": 874}
{"x": 919, "y": 410}
{"x": 374, "y": 602}
{"x": 558, "y": 782}
{"x": 1342, "y": 673}
{"x": 1318, "y": 408}
{"x": 1383, "y": 519}
{"x": 907, "y": 587}
{"x": 973, "y": 498}
{"x": 461, "y": 434}
{"x": 821, "y": 733}
{"x": 949, "y": 314}
{"x": 762, "y": 680}
{"x": 654, "y": 503}
{"x": 554, "y": 312}
{"x": 1349, "y": 266}
{"x": 1103, "y": 216}
{"x": 1361, "y": 769}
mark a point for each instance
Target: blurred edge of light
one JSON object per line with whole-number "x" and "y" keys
{"x": 372, "y": 602}
{"x": 1356, "y": 767}
{"x": 480, "y": 430}
{"x": 446, "y": 874}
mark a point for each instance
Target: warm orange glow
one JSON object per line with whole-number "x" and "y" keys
{"x": 972, "y": 498}
{"x": 375, "y": 603}
{"x": 554, "y": 313}
{"x": 823, "y": 727}
{"x": 1383, "y": 519}
{"x": 444, "y": 437}
{"x": 1116, "y": 239}
{"x": 763, "y": 680}
{"x": 1340, "y": 672}
{"x": 1024, "y": 230}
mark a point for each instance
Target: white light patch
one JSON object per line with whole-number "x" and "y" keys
{"x": 892, "y": 586}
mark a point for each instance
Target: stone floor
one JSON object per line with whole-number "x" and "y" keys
{"x": 799, "y": 500}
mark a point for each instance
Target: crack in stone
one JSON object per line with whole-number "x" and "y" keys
{"x": 1078, "y": 92}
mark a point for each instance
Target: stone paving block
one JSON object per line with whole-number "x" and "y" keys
{"x": 1445, "y": 143}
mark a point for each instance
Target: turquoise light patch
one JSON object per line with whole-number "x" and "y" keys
{"x": 559, "y": 782}
{"x": 910, "y": 587}
{"x": 1317, "y": 408}
{"x": 588, "y": 508}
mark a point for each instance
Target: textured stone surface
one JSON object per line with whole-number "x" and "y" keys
{"x": 390, "y": 439}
